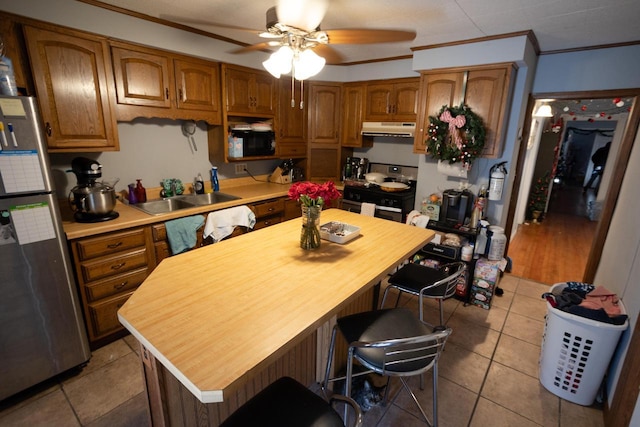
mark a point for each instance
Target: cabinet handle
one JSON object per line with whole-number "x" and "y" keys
{"x": 166, "y": 92}
{"x": 120, "y": 286}
{"x": 271, "y": 209}
{"x": 47, "y": 128}
{"x": 114, "y": 245}
{"x": 118, "y": 266}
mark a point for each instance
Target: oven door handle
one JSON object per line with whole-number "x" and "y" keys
{"x": 388, "y": 209}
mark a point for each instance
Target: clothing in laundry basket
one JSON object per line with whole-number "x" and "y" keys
{"x": 592, "y": 302}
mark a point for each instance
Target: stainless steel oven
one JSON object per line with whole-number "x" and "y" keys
{"x": 384, "y": 212}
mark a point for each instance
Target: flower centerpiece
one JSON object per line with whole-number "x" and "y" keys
{"x": 538, "y": 196}
{"x": 312, "y": 197}
{"x": 456, "y": 134}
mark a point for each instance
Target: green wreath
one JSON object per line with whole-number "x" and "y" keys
{"x": 456, "y": 134}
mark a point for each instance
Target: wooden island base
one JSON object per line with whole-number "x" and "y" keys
{"x": 218, "y": 324}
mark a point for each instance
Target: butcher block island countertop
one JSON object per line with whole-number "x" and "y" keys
{"x": 216, "y": 316}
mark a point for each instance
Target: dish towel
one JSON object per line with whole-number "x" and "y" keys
{"x": 368, "y": 209}
{"x": 181, "y": 233}
{"x": 221, "y": 224}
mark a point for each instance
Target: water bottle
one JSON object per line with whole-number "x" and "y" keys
{"x": 214, "y": 179}
{"x": 498, "y": 243}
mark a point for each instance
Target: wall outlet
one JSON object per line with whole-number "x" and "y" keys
{"x": 240, "y": 168}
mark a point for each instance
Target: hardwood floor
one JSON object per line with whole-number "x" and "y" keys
{"x": 556, "y": 249}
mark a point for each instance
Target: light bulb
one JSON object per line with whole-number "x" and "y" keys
{"x": 307, "y": 64}
{"x": 279, "y": 62}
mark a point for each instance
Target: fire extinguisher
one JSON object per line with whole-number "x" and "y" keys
{"x": 497, "y": 173}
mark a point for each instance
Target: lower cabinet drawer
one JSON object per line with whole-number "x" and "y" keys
{"x": 162, "y": 251}
{"x": 268, "y": 208}
{"x": 104, "y": 267}
{"x": 104, "y": 315}
{"x": 267, "y": 221}
{"x": 116, "y": 284}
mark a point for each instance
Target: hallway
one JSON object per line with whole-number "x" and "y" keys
{"x": 556, "y": 250}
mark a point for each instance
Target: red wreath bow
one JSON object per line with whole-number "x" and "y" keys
{"x": 455, "y": 123}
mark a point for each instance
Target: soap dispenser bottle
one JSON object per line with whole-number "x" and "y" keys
{"x": 199, "y": 185}
{"x": 140, "y": 191}
{"x": 215, "y": 184}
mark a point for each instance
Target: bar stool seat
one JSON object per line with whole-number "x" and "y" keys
{"x": 287, "y": 403}
{"x": 426, "y": 282}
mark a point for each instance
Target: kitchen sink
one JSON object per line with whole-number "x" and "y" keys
{"x": 208, "y": 199}
{"x": 162, "y": 206}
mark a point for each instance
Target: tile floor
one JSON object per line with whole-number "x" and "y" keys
{"x": 488, "y": 377}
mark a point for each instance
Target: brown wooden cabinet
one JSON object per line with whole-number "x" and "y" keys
{"x": 392, "y": 100}
{"x": 108, "y": 269}
{"x": 153, "y": 83}
{"x": 486, "y": 90}
{"x": 291, "y": 119}
{"x": 249, "y": 92}
{"x": 353, "y": 99}
{"x": 75, "y": 89}
{"x": 325, "y": 154}
{"x": 269, "y": 212}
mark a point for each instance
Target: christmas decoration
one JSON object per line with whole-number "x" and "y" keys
{"x": 456, "y": 134}
{"x": 538, "y": 194}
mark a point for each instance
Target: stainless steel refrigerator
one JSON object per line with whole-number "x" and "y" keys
{"x": 41, "y": 329}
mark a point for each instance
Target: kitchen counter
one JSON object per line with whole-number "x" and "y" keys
{"x": 215, "y": 317}
{"x": 249, "y": 192}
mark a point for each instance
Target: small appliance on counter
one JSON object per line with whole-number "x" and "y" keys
{"x": 456, "y": 206}
{"x": 92, "y": 201}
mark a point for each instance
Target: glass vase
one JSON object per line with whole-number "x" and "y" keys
{"x": 310, "y": 233}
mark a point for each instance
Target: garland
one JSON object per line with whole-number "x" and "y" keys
{"x": 456, "y": 134}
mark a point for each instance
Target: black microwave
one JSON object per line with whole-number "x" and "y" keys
{"x": 250, "y": 143}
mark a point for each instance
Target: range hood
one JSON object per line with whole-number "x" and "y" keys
{"x": 398, "y": 129}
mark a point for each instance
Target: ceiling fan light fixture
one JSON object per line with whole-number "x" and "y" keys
{"x": 307, "y": 64}
{"x": 305, "y": 15}
{"x": 280, "y": 62}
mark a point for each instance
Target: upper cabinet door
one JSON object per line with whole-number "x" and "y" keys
{"x": 74, "y": 89}
{"x": 488, "y": 94}
{"x": 324, "y": 113}
{"x": 249, "y": 91}
{"x": 394, "y": 100}
{"x": 436, "y": 90}
{"x": 405, "y": 100}
{"x": 379, "y": 102}
{"x": 197, "y": 85}
{"x": 353, "y": 95}
{"x": 142, "y": 78}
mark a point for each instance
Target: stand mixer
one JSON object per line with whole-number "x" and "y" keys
{"x": 92, "y": 201}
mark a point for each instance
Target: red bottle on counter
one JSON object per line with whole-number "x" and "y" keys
{"x": 140, "y": 192}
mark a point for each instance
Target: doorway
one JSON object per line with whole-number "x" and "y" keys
{"x": 569, "y": 107}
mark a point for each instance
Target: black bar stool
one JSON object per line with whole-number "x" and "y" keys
{"x": 287, "y": 403}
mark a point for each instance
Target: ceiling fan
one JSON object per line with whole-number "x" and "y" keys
{"x": 293, "y": 28}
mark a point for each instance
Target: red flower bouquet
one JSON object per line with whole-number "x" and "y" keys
{"x": 312, "y": 194}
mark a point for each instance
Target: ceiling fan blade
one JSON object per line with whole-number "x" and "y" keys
{"x": 366, "y": 36}
{"x": 253, "y": 47}
{"x": 186, "y": 21}
{"x": 329, "y": 54}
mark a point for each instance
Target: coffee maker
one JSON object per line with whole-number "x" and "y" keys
{"x": 91, "y": 201}
{"x": 456, "y": 206}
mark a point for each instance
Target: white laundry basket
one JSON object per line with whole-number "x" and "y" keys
{"x": 576, "y": 352}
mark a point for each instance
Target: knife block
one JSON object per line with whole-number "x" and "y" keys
{"x": 278, "y": 177}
